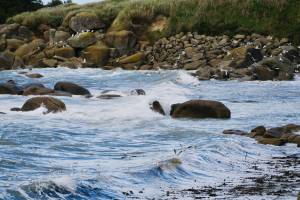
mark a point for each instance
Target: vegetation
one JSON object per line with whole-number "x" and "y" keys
{"x": 10, "y": 8}
{"x": 277, "y": 17}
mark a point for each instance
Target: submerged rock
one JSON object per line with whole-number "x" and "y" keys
{"x": 156, "y": 107}
{"x": 200, "y": 109}
{"x": 138, "y": 92}
{"x": 35, "y": 75}
{"x": 71, "y": 88}
{"x": 9, "y": 88}
{"x": 235, "y": 132}
{"x": 35, "y": 90}
{"x": 52, "y": 104}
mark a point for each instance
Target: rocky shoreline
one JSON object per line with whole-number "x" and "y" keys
{"x": 243, "y": 57}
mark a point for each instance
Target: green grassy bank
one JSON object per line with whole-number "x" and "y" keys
{"x": 280, "y": 18}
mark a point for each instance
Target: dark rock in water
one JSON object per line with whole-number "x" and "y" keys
{"x": 138, "y": 92}
{"x": 52, "y": 104}
{"x": 272, "y": 141}
{"x": 33, "y": 85}
{"x": 2, "y": 113}
{"x": 258, "y": 131}
{"x": 10, "y": 87}
{"x": 278, "y": 132}
{"x": 200, "y": 109}
{"x": 71, "y": 88}
{"x": 156, "y": 107}
{"x": 109, "y": 96}
{"x": 60, "y": 93}
{"x": 16, "y": 109}
{"x": 235, "y": 132}
{"x": 35, "y": 90}
{"x": 36, "y": 75}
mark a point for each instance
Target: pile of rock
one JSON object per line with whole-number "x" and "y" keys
{"x": 253, "y": 57}
{"x": 274, "y": 136}
{"x": 77, "y": 44}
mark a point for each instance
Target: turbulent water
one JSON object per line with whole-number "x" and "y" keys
{"x": 120, "y": 149}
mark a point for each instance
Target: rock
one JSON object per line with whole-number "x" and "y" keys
{"x": 2, "y": 113}
{"x": 137, "y": 57}
{"x": 2, "y": 42}
{"x": 194, "y": 65}
{"x": 25, "y": 34}
{"x": 200, "y": 109}
{"x": 8, "y": 88}
{"x": 32, "y": 85}
{"x": 6, "y": 60}
{"x": 29, "y": 48}
{"x": 96, "y": 55}
{"x": 84, "y": 21}
{"x": 47, "y": 63}
{"x": 272, "y": 141}
{"x": 61, "y": 36}
{"x": 35, "y": 90}
{"x": 13, "y": 44}
{"x": 16, "y": 109}
{"x": 52, "y": 104}
{"x": 71, "y": 88}
{"x": 82, "y": 40}
{"x": 291, "y": 53}
{"x": 244, "y": 56}
{"x": 235, "y": 132}
{"x": 258, "y": 131}
{"x": 109, "y": 96}
{"x": 65, "y": 52}
{"x": 123, "y": 41}
{"x": 138, "y": 92}
{"x": 204, "y": 73}
{"x": 35, "y": 75}
{"x": 156, "y": 107}
{"x": 273, "y": 68}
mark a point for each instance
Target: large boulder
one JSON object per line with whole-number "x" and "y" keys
{"x": 273, "y": 68}
{"x": 85, "y": 21}
{"x": 13, "y": 44}
{"x": 65, "y": 52}
{"x": 7, "y": 59}
{"x": 82, "y": 40}
{"x": 60, "y": 36}
{"x": 52, "y": 104}
{"x": 244, "y": 56}
{"x": 9, "y": 88}
{"x": 29, "y": 48}
{"x": 135, "y": 58}
{"x": 123, "y": 41}
{"x": 71, "y": 88}
{"x": 35, "y": 90}
{"x": 96, "y": 55}
{"x": 200, "y": 109}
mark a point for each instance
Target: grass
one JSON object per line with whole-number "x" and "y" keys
{"x": 280, "y": 18}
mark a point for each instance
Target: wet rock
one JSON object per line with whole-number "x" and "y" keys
{"x": 35, "y": 90}
{"x": 235, "y": 132}
{"x": 258, "y": 131}
{"x": 2, "y": 113}
{"x": 35, "y": 75}
{"x": 200, "y": 109}
{"x": 16, "y": 109}
{"x": 71, "y": 88}
{"x": 109, "y": 96}
{"x": 96, "y": 55}
{"x": 271, "y": 141}
{"x": 244, "y": 56}
{"x": 9, "y": 88}
{"x": 204, "y": 73}
{"x": 156, "y": 107}
{"x": 53, "y": 105}
{"x": 138, "y": 92}
{"x": 123, "y": 41}
{"x": 84, "y": 21}
{"x": 47, "y": 63}
{"x": 82, "y": 40}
